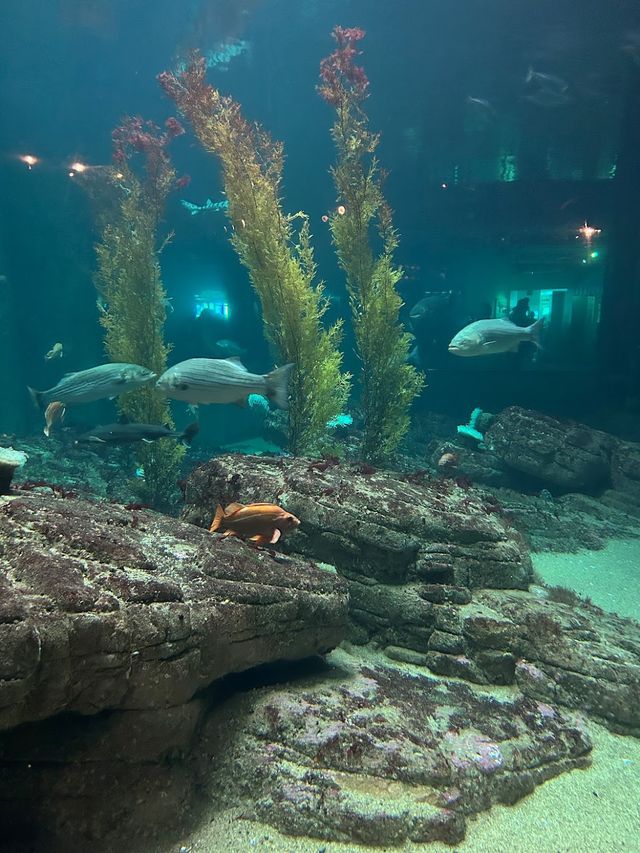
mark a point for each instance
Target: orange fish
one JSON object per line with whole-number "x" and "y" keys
{"x": 263, "y": 524}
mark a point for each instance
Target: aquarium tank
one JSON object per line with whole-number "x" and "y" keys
{"x": 319, "y": 426}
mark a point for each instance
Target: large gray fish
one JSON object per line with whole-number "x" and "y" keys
{"x": 223, "y": 380}
{"x": 96, "y": 383}
{"x": 487, "y": 337}
{"x": 126, "y": 433}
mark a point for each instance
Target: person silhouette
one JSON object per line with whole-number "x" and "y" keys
{"x": 522, "y": 315}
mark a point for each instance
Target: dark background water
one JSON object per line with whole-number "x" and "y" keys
{"x": 487, "y": 199}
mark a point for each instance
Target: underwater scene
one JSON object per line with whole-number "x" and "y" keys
{"x": 319, "y": 426}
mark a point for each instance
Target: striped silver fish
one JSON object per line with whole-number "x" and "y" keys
{"x": 223, "y": 380}
{"x": 96, "y": 383}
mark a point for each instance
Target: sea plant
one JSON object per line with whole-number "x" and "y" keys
{"x": 278, "y": 256}
{"x": 132, "y": 298}
{"x": 389, "y": 384}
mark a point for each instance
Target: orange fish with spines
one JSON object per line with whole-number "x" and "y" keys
{"x": 262, "y": 524}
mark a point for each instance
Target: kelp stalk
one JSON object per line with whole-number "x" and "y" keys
{"x": 279, "y": 260}
{"x": 389, "y": 384}
{"x": 132, "y": 296}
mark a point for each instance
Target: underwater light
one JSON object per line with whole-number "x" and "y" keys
{"x": 214, "y": 301}
{"x": 79, "y": 168}
{"x": 594, "y": 254}
{"x": 587, "y": 232}
{"x": 29, "y": 160}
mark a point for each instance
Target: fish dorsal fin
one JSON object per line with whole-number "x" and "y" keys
{"x": 217, "y": 519}
{"x": 233, "y": 507}
{"x": 234, "y": 359}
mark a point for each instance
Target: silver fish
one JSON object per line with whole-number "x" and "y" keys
{"x": 223, "y": 380}
{"x": 96, "y": 383}
{"x": 126, "y": 433}
{"x": 546, "y": 81}
{"x": 487, "y": 337}
{"x": 229, "y": 349}
{"x": 482, "y": 105}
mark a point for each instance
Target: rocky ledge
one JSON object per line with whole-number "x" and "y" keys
{"x": 351, "y": 749}
{"x": 429, "y": 566}
{"x": 104, "y": 607}
{"x": 375, "y": 755}
{"x": 391, "y": 528}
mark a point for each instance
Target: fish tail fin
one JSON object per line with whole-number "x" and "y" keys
{"x": 190, "y": 432}
{"x": 217, "y": 519}
{"x": 535, "y": 331}
{"x": 36, "y": 396}
{"x": 278, "y": 385}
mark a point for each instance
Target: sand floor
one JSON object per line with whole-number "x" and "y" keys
{"x": 596, "y": 810}
{"x": 611, "y": 577}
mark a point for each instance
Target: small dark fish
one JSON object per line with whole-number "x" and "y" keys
{"x": 127, "y": 433}
{"x": 426, "y": 306}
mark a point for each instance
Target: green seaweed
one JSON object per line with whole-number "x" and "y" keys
{"x": 278, "y": 258}
{"x": 132, "y": 297}
{"x": 389, "y": 384}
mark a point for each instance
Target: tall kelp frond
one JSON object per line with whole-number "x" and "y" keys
{"x": 132, "y": 298}
{"x": 362, "y": 216}
{"x": 277, "y": 255}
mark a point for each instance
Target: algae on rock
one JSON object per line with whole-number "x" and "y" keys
{"x": 389, "y": 384}
{"x": 279, "y": 261}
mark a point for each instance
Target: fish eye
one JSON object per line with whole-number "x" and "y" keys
{"x": 182, "y": 386}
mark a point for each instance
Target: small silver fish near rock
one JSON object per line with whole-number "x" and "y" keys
{"x": 53, "y": 415}
{"x": 223, "y": 380}
{"x": 96, "y": 383}
{"x": 488, "y": 337}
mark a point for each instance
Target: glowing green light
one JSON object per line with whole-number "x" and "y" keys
{"x": 594, "y": 254}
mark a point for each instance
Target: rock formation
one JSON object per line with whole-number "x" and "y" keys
{"x": 129, "y": 643}
{"x": 438, "y": 578}
{"x": 390, "y": 528}
{"x": 380, "y": 756}
{"x": 102, "y": 607}
{"x": 563, "y": 454}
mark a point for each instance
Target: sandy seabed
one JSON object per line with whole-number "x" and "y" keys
{"x": 596, "y": 810}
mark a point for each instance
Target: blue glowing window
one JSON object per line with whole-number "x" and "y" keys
{"x": 220, "y": 309}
